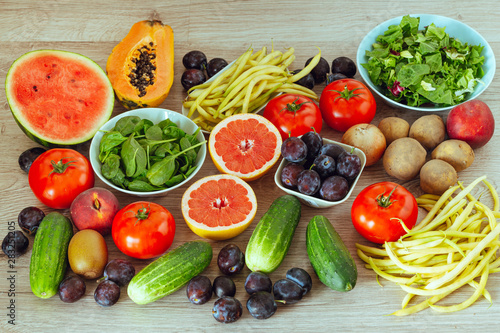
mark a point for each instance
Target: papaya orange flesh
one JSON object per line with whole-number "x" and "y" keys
{"x": 141, "y": 66}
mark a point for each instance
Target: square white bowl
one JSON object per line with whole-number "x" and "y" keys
{"x": 315, "y": 202}
{"x": 455, "y": 29}
{"x": 155, "y": 115}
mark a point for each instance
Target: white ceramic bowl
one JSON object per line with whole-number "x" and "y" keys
{"x": 155, "y": 115}
{"x": 455, "y": 29}
{"x": 314, "y": 201}
{"x": 185, "y": 111}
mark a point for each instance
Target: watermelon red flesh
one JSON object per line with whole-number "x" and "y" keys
{"x": 58, "y": 97}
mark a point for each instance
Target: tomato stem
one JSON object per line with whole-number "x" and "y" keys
{"x": 142, "y": 214}
{"x": 385, "y": 201}
{"x": 60, "y": 166}
{"x": 346, "y": 93}
{"x": 294, "y": 107}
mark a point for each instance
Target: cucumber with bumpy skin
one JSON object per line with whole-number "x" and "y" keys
{"x": 49, "y": 256}
{"x": 329, "y": 256}
{"x": 170, "y": 272}
{"x": 273, "y": 235}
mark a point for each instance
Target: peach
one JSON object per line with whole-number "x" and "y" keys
{"x": 95, "y": 209}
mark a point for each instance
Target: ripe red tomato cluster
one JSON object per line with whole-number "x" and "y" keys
{"x": 343, "y": 104}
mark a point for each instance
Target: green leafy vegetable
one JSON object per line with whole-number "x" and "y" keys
{"x": 140, "y": 156}
{"x": 126, "y": 125}
{"x": 426, "y": 66}
{"x": 133, "y": 157}
{"x": 111, "y": 167}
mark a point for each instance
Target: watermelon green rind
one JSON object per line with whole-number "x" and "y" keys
{"x": 60, "y": 134}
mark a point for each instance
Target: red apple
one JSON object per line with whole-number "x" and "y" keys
{"x": 95, "y": 209}
{"x": 471, "y": 122}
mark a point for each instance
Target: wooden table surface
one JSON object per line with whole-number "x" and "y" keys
{"x": 224, "y": 28}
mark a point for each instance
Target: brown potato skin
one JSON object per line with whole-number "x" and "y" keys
{"x": 403, "y": 158}
{"x": 429, "y": 130}
{"x": 436, "y": 176}
{"x": 394, "y": 128}
{"x": 458, "y": 153}
{"x": 367, "y": 138}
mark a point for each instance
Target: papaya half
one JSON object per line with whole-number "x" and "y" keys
{"x": 141, "y": 66}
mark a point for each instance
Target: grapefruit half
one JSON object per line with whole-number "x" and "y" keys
{"x": 219, "y": 207}
{"x": 245, "y": 145}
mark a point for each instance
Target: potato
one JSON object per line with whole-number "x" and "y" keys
{"x": 436, "y": 176}
{"x": 369, "y": 139}
{"x": 429, "y": 131}
{"x": 458, "y": 153}
{"x": 403, "y": 158}
{"x": 393, "y": 128}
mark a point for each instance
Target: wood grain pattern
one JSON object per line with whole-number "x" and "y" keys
{"x": 225, "y": 28}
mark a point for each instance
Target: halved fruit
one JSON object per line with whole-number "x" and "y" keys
{"x": 245, "y": 145}
{"x": 141, "y": 66}
{"x": 58, "y": 98}
{"x": 219, "y": 207}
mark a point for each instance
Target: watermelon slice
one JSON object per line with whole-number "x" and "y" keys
{"x": 58, "y": 98}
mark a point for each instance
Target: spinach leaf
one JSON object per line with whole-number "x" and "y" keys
{"x": 171, "y": 132}
{"x": 184, "y": 164}
{"x": 110, "y": 140}
{"x": 166, "y": 123}
{"x": 161, "y": 171}
{"x": 134, "y": 157}
{"x": 152, "y": 145}
{"x": 175, "y": 180}
{"x": 193, "y": 139}
{"x": 142, "y": 186}
{"x": 126, "y": 125}
{"x": 104, "y": 155}
{"x": 142, "y": 126}
{"x": 190, "y": 171}
{"x": 163, "y": 149}
{"x": 119, "y": 179}
{"x": 111, "y": 167}
{"x": 190, "y": 154}
{"x": 154, "y": 133}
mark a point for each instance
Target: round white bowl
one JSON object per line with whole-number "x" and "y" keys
{"x": 314, "y": 201}
{"x": 455, "y": 29}
{"x": 155, "y": 115}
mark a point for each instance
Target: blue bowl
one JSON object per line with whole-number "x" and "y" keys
{"x": 455, "y": 29}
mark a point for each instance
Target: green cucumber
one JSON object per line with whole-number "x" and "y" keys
{"x": 329, "y": 256}
{"x": 170, "y": 272}
{"x": 49, "y": 257}
{"x": 273, "y": 235}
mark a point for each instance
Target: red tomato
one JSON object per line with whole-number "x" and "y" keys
{"x": 377, "y": 208}
{"x": 345, "y": 103}
{"x": 143, "y": 230}
{"x": 57, "y": 176}
{"x": 293, "y": 115}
